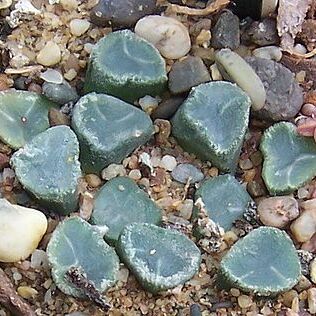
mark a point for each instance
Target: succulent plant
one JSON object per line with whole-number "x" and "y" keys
{"x": 49, "y": 169}
{"x": 126, "y": 66}
{"x": 75, "y": 244}
{"x": 23, "y": 115}
{"x": 121, "y": 202}
{"x": 160, "y": 258}
{"x": 224, "y": 198}
{"x": 108, "y": 130}
{"x": 264, "y": 262}
{"x": 212, "y": 123}
{"x": 289, "y": 159}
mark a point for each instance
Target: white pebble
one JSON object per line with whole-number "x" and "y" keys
{"x": 135, "y": 174}
{"x": 168, "y": 162}
{"x": 78, "y": 27}
{"x": 112, "y": 171}
{"x": 21, "y": 230}
{"x": 300, "y": 49}
{"x": 5, "y": 4}
{"x": 52, "y": 75}
{"x": 169, "y": 35}
{"x": 304, "y": 227}
{"x": 148, "y": 103}
{"x": 49, "y": 55}
{"x": 39, "y": 259}
{"x": 268, "y": 52}
{"x": 215, "y": 74}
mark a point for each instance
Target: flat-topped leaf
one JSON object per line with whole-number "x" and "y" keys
{"x": 108, "y": 130}
{"x": 289, "y": 159}
{"x": 224, "y": 198}
{"x": 126, "y": 66}
{"x": 160, "y": 258}
{"x": 23, "y": 115}
{"x": 48, "y": 167}
{"x": 121, "y": 202}
{"x": 264, "y": 262}
{"x": 212, "y": 123}
{"x": 75, "y": 244}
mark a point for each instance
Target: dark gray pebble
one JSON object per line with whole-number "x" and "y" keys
{"x": 226, "y": 33}
{"x": 262, "y": 33}
{"x": 183, "y": 172}
{"x": 60, "y": 93}
{"x": 168, "y": 107}
{"x": 186, "y": 74}
{"x": 284, "y": 95}
{"x": 121, "y": 13}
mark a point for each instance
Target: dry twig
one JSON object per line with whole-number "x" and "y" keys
{"x": 11, "y": 300}
{"x": 213, "y": 7}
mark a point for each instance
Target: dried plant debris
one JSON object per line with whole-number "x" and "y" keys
{"x": 291, "y": 15}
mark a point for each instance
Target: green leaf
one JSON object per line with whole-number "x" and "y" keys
{"x": 264, "y": 262}
{"x": 23, "y": 115}
{"x": 224, "y": 198}
{"x": 121, "y": 202}
{"x": 160, "y": 258}
{"x": 75, "y": 244}
{"x": 48, "y": 167}
{"x": 108, "y": 130}
{"x": 289, "y": 159}
{"x": 124, "y": 65}
{"x": 212, "y": 123}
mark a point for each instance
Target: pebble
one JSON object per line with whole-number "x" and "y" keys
{"x": 308, "y": 109}
{"x": 168, "y": 162}
{"x": 93, "y": 180}
{"x": 112, "y": 171}
{"x": 268, "y": 52}
{"x": 244, "y": 301}
{"x": 284, "y": 96}
{"x": 5, "y": 4}
{"x": 255, "y": 189}
{"x": 186, "y": 74}
{"x": 300, "y": 49}
{"x": 311, "y": 299}
{"x": 183, "y": 172}
{"x": 135, "y": 174}
{"x": 167, "y": 107}
{"x": 312, "y": 268}
{"x": 39, "y": 259}
{"x": 278, "y": 211}
{"x": 215, "y": 73}
{"x": 186, "y": 209}
{"x": 121, "y": 12}
{"x": 288, "y": 297}
{"x": 235, "y": 68}
{"x": 69, "y": 5}
{"x": 148, "y": 103}
{"x": 60, "y": 93}
{"x": 52, "y": 76}
{"x": 304, "y": 227}
{"x": 245, "y": 164}
{"x": 262, "y": 33}
{"x": 226, "y": 33}
{"x": 170, "y": 36}
{"x": 56, "y": 117}
{"x": 21, "y": 230}
{"x": 79, "y": 26}
{"x": 49, "y": 55}
{"x": 27, "y": 292}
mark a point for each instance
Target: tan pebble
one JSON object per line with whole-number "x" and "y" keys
{"x": 69, "y": 5}
{"x": 311, "y": 298}
{"x": 230, "y": 237}
{"x": 49, "y": 55}
{"x": 234, "y": 292}
{"x": 244, "y": 301}
{"x": 93, "y": 180}
{"x": 5, "y": 4}
{"x": 295, "y": 305}
{"x": 215, "y": 74}
{"x": 135, "y": 174}
{"x": 70, "y": 74}
{"x": 304, "y": 227}
{"x": 303, "y": 296}
{"x": 308, "y": 109}
{"x": 27, "y": 292}
{"x": 47, "y": 283}
{"x": 186, "y": 209}
{"x": 245, "y": 164}
{"x": 249, "y": 175}
{"x": 288, "y": 297}
{"x": 79, "y": 26}
{"x": 278, "y": 211}
{"x": 112, "y": 171}
{"x": 312, "y": 268}
{"x": 309, "y": 205}
{"x": 303, "y": 284}
{"x": 213, "y": 172}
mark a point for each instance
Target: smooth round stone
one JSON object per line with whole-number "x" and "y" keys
{"x": 183, "y": 172}
{"x": 268, "y": 52}
{"x": 21, "y": 230}
{"x": 79, "y": 26}
{"x": 126, "y": 66}
{"x": 278, "y": 211}
{"x": 60, "y": 93}
{"x": 235, "y": 68}
{"x": 49, "y": 55}
{"x": 284, "y": 95}
{"x": 186, "y": 74}
{"x": 52, "y": 75}
{"x": 170, "y": 36}
{"x": 168, "y": 107}
{"x": 121, "y": 12}
{"x": 226, "y": 33}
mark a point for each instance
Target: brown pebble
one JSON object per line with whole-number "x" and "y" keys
{"x": 4, "y": 161}
{"x": 93, "y": 180}
{"x": 244, "y": 301}
{"x": 57, "y": 118}
{"x": 34, "y": 87}
{"x": 308, "y": 109}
